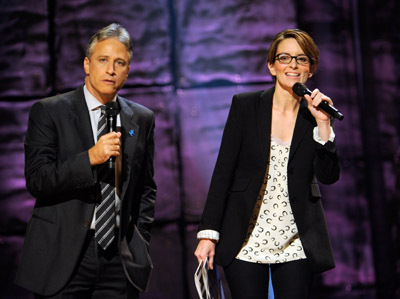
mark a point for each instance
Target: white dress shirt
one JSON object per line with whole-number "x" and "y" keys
{"x": 94, "y": 113}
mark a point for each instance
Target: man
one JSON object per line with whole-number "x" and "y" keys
{"x": 90, "y": 227}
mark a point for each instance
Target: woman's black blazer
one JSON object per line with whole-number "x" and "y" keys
{"x": 240, "y": 170}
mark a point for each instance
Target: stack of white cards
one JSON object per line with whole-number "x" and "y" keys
{"x": 208, "y": 282}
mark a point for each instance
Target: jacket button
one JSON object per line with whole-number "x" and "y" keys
{"x": 290, "y": 170}
{"x": 86, "y": 224}
{"x": 293, "y": 200}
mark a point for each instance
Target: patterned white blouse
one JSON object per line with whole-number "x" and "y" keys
{"x": 272, "y": 236}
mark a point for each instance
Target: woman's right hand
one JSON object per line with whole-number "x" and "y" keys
{"x": 206, "y": 248}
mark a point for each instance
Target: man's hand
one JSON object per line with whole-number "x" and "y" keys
{"x": 109, "y": 145}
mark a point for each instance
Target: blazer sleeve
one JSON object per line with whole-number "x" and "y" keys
{"x": 148, "y": 195}
{"x": 224, "y": 170}
{"x": 326, "y": 163}
{"x": 46, "y": 172}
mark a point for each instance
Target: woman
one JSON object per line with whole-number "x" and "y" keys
{"x": 263, "y": 209}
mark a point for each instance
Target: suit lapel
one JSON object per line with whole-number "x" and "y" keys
{"x": 130, "y": 132}
{"x": 264, "y": 114}
{"x": 82, "y": 119}
{"x": 301, "y": 127}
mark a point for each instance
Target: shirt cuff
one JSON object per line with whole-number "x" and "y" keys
{"x": 319, "y": 140}
{"x": 208, "y": 234}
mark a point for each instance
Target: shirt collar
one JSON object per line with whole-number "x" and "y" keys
{"x": 91, "y": 101}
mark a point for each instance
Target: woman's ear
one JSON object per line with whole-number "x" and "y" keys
{"x": 271, "y": 67}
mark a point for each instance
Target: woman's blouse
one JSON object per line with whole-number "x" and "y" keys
{"x": 272, "y": 235}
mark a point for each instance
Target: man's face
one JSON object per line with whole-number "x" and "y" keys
{"x": 107, "y": 69}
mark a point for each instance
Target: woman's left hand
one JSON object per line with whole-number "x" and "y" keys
{"x": 321, "y": 117}
{"x": 313, "y": 101}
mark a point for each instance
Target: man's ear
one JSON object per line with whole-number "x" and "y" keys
{"x": 86, "y": 66}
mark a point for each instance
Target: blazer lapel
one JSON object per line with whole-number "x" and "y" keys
{"x": 301, "y": 127}
{"x": 264, "y": 114}
{"x": 82, "y": 119}
{"x": 129, "y": 131}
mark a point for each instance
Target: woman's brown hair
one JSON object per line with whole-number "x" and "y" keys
{"x": 304, "y": 40}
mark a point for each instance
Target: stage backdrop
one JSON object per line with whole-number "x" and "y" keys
{"x": 190, "y": 58}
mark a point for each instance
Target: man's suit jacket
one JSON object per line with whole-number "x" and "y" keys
{"x": 59, "y": 175}
{"x": 240, "y": 170}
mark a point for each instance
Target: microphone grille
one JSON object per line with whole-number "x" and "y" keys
{"x": 112, "y": 108}
{"x": 300, "y": 89}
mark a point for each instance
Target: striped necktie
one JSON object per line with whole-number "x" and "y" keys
{"x": 105, "y": 205}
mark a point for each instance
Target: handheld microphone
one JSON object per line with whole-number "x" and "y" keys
{"x": 301, "y": 90}
{"x": 112, "y": 110}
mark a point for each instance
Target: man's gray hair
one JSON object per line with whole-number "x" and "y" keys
{"x": 113, "y": 30}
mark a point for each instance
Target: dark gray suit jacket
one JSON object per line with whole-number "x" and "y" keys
{"x": 240, "y": 170}
{"x": 59, "y": 175}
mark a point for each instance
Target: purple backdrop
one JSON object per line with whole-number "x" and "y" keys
{"x": 190, "y": 58}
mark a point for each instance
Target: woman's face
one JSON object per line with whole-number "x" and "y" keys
{"x": 288, "y": 74}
